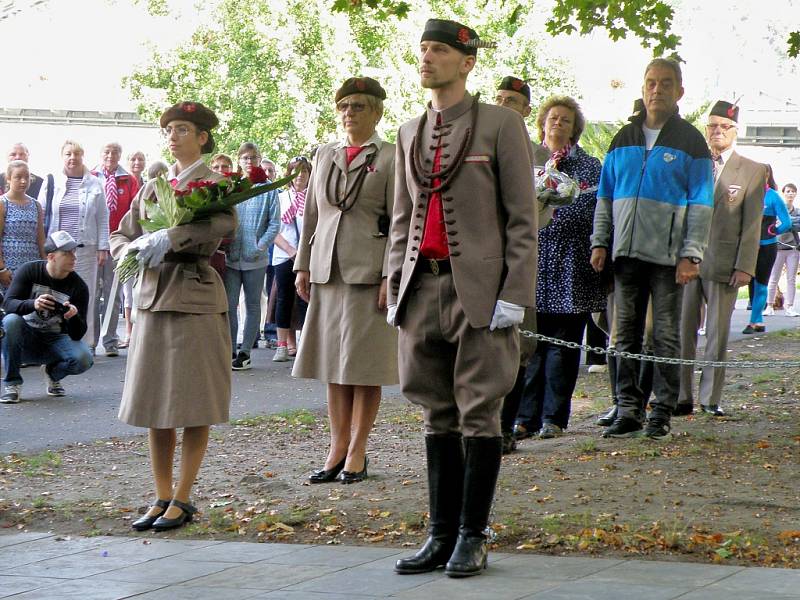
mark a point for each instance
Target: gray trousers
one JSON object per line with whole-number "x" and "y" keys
{"x": 459, "y": 374}
{"x": 720, "y": 299}
{"x": 105, "y": 278}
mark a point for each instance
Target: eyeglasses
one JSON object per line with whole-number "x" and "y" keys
{"x": 249, "y": 158}
{"x": 503, "y": 100}
{"x": 353, "y": 106}
{"x": 180, "y": 131}
{"x": 723, "y": 126}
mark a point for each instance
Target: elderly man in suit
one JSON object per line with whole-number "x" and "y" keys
{"x": 462, "y": 268}
{"x": 730, "y": 259}
{"x": 19, "y": 151}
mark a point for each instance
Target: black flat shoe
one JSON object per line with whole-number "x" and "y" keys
{"x": 146, "y": 522}
{"x": 327, "y": 475}
{"x": 607, "y": 419}
{"x": 683, "y": 410}
{"x": 163, "y": 524}
{"x": 351, "y": 477}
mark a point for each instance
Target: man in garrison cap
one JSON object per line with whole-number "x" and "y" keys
{"x": 730, "y": 259}
{"x": 462, "y": 268}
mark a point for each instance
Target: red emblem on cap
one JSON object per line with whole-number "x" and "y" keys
{"x": 188, "y": 107}
{"x": 731, "y": 112}
{"x": 360, "y": 85}
{"x": 516, "y": 84}
{"x": 463, "y": 35}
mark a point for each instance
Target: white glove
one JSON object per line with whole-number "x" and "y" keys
{"x": 156, "y": 245}
{"x": 391, "y": 314}
{"x": 506, "y": 314}
{"x": 137, "y": 244}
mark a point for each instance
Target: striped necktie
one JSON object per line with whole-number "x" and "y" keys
{"x": 111, "y": 191}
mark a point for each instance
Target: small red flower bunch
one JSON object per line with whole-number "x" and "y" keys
{"x": 463, "y": 35}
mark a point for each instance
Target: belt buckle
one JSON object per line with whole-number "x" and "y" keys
{"x": 434, "y": 265}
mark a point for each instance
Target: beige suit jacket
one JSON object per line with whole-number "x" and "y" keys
{"x": 736, "y": 220}
{"x": 180, "y": 287}
{"x": 361, "y": 250}
{"x": 490, "y": 211}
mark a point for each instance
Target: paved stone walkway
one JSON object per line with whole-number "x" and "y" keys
{"x": 47, "y": 566}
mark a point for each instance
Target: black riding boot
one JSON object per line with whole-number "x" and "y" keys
{"x": 482, "y": 465}
{"x": 445, "y": 454}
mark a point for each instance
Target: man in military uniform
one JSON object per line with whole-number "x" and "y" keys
{"x": 730, "y": 259}
{"x": 461, "y": 272}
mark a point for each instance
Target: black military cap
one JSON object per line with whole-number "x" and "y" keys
{"x": 361, "y": 85}
{"x": 726, "y": 110}
{"x": 513, "y": 84}
{"x": 196, "y": 113}
{"x": 454, "y": 34}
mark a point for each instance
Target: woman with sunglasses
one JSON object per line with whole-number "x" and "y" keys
{"x": 178, "y": 372}
{"x": 341, "y": 269}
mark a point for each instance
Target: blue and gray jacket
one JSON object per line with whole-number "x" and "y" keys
{"x": 657, "y": 202}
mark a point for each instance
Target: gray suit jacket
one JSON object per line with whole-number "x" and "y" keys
{"x": 736, "y": 220}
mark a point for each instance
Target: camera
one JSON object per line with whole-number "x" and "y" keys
{"x": 59, "y": 308}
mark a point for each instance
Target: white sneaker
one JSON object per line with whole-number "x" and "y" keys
{"x": 598, "y": 368}
{"x": 11, "y": 394}
{"x": 791, "y": 312}
{"x": 769, "y": 311}
{"x": 281, "y": 354}
{"x": 54, "y": 388}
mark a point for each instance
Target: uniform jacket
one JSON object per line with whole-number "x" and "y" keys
{"x": 188, "y": 287}
{"x": 736, "y": 220}
{"x": 127, "y": 186}
{"x": 489, "y": 208}
{"x": 361, "y": 249}
{"x": 658, "y": 201}
{"x": 93, "y": 210}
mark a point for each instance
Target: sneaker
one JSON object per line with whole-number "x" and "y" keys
{"x": 769, "y": 311}
{"x": 112, "y": 351}
{"x": 701, "y": 331}
{"x": 790, "y": 312}
{"x": 12, "y": 393}
{"x": 241, "y": 362}
{"x": 657, "y": 429}
{"x": 281, "y": 354}
{"x": 54, "y": 388}
{"x": 549, "y": 431}
{"x": 598, "y": 368}
{"x": 623, "y": 427}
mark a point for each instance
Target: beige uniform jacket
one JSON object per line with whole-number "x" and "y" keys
{"x": 193, "y": 287}
{"x": 489, "y": 210}
{"x": 361, "y": 249}
{"x": 736, "y": 220}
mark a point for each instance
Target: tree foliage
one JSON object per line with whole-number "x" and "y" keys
{"x": 272, "y": 80}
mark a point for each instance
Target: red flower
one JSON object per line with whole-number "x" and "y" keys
{"x": 463, "y": 35}
{"x": 257, "y": 175}
{"x": 731, "y": 112}
{"x": 193, "y": 185}
{"x": 188, "y": 107}
{"x": 174, "y": 182}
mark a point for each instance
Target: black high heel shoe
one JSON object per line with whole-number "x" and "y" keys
{"x": 186, "y": 516}
{"x": 327, "y": 475}
{"x": 146, "y": 522}
{"x": 352, "y": 477}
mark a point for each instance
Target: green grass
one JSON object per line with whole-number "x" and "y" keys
{"x": 36, "y": 464}
{"x": 587, "y": 446}
{"x": 282, "y": 421}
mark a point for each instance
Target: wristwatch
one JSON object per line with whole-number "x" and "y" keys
{"x": 695, "y": 260}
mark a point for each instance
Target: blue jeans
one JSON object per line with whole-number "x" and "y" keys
{"x": 552, "y": 372}
{"x": 635, "y": 281}
{"x": 252, "y": 280}
{"x": 24, "y": 344}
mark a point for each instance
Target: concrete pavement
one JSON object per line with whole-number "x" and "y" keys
{"x": 44, "y": 566}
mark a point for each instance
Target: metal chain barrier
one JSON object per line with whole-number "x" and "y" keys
{"x": 732, "y": 364}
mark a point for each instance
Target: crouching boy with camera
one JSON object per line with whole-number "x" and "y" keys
{"x": 45, "y": 319}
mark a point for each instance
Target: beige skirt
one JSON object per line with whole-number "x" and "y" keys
{"x": 345, "y": 338}
{"x": 178, "y": 372}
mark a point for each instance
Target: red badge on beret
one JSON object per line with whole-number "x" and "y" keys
{"x": 516, "y": 84}
{"x": 463, "y": 35}
{"x": 189, "y": 107}
{"x": 731, "y": 112}
{"x": 360, "y": 85}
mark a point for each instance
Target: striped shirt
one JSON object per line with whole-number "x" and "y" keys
{"x": 69, "y": 212}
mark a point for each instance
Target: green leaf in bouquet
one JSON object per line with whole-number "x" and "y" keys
{"x": 173, "y": 213}
{"x": 239, "y": 197}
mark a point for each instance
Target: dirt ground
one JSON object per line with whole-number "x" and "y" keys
{"x": 722, "y": 490}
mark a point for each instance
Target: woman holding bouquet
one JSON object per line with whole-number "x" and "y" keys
{"x": 568, "y": 290}
{"x": 181, "y": 307}
{"x": 341, "y": 267}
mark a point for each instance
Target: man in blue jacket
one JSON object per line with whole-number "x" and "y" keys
{"x": 655, "y": 197}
